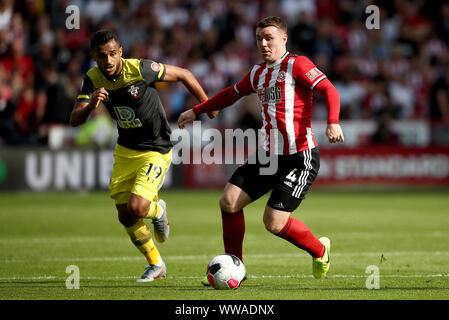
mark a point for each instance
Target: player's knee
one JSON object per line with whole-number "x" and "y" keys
{"x": 125, "y": 218}
{"x": 272, "y": 225}
{"x": 227, "y": 205}
{"x": 138, "y": 209}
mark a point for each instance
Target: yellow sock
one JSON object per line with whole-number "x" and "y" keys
{"x": 154, "y": 211}
{"x": 141, "y": 237}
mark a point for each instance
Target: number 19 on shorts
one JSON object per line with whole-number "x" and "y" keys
{"x": 153, "y": 172}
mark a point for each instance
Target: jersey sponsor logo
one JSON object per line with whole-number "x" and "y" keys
{"x": 155, "y": 66}
{"x": 134, "y": 91}
{"x": 126, "y": 118}
{"x": 270, "y": 94}
{"x": 281, "y": 76}
{"x": 314, "y": 73}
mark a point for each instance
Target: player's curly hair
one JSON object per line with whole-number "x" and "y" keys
{"x": 102, "y": 37}
{"x": 274, "y": 21}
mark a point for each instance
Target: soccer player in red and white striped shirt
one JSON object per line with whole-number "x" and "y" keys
{"x": 284, "y": 83}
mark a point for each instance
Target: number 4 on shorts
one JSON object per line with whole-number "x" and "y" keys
{"x": 292, "y": 175}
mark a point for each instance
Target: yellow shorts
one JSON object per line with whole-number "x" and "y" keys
{"x": 138, "y": 172}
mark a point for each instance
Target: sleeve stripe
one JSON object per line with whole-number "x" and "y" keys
{"x": 252, "y": 74}
{"x": 161, "y": 72}
{"x": 83, "y": 96}
{"x": 235, "y": 88}
{"x": 318, "y": 80}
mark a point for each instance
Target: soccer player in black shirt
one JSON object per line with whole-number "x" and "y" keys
{"x": 143, "y": 152}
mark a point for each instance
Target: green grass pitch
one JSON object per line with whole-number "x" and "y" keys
{"x": 404, "y": 234}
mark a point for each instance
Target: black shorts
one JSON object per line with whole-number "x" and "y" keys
{"x": 289, "y": 184}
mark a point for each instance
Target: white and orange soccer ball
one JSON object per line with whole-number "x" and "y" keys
{"x": 225, "y": 271}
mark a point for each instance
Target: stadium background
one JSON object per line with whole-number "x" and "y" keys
{"x": 393, "y": 83}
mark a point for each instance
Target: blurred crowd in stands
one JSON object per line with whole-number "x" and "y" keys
{"x": 397, "y": 72}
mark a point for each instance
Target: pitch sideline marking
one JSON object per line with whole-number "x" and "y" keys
{"x": 438, "y": 275}
{"x": 248, "y": 256}
{"x": 122, "y": 239}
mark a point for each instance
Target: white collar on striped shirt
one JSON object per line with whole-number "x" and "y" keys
{"x": 278, "y": 61}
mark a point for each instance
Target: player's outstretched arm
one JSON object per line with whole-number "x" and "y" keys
{"x": 82, "y": 110}
{"x": 223, "y": 99}
{"x": 174, "y": 73}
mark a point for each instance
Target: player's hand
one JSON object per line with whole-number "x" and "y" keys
{"x": 185, "y": 118}
{"x": 99, "y": 95}
{"x": 334, "y": 133}
{"x": 212, "y": 114}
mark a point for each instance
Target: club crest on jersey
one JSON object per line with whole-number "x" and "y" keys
{"x": 281, "y": 76}
{"x": 134, "y": 91}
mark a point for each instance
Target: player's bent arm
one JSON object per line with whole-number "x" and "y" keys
{"x": 332, "y": 98}
{"x": 226, "y": 97}
{"x": 219, "y": 101}
{"x": 223, "y": 99}
{"x": 82, "y": 110}
{"x": 80, "y": 113}
{"x": 174, "y": 73}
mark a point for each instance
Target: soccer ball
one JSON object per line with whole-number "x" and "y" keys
{"x": 225, "y": 271}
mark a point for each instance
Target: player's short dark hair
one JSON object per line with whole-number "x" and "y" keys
{"x": 102, "y": 37}
{"x": 273, "y": 21}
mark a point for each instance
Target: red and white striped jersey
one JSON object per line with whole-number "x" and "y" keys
{"x": 285, "y": 92}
